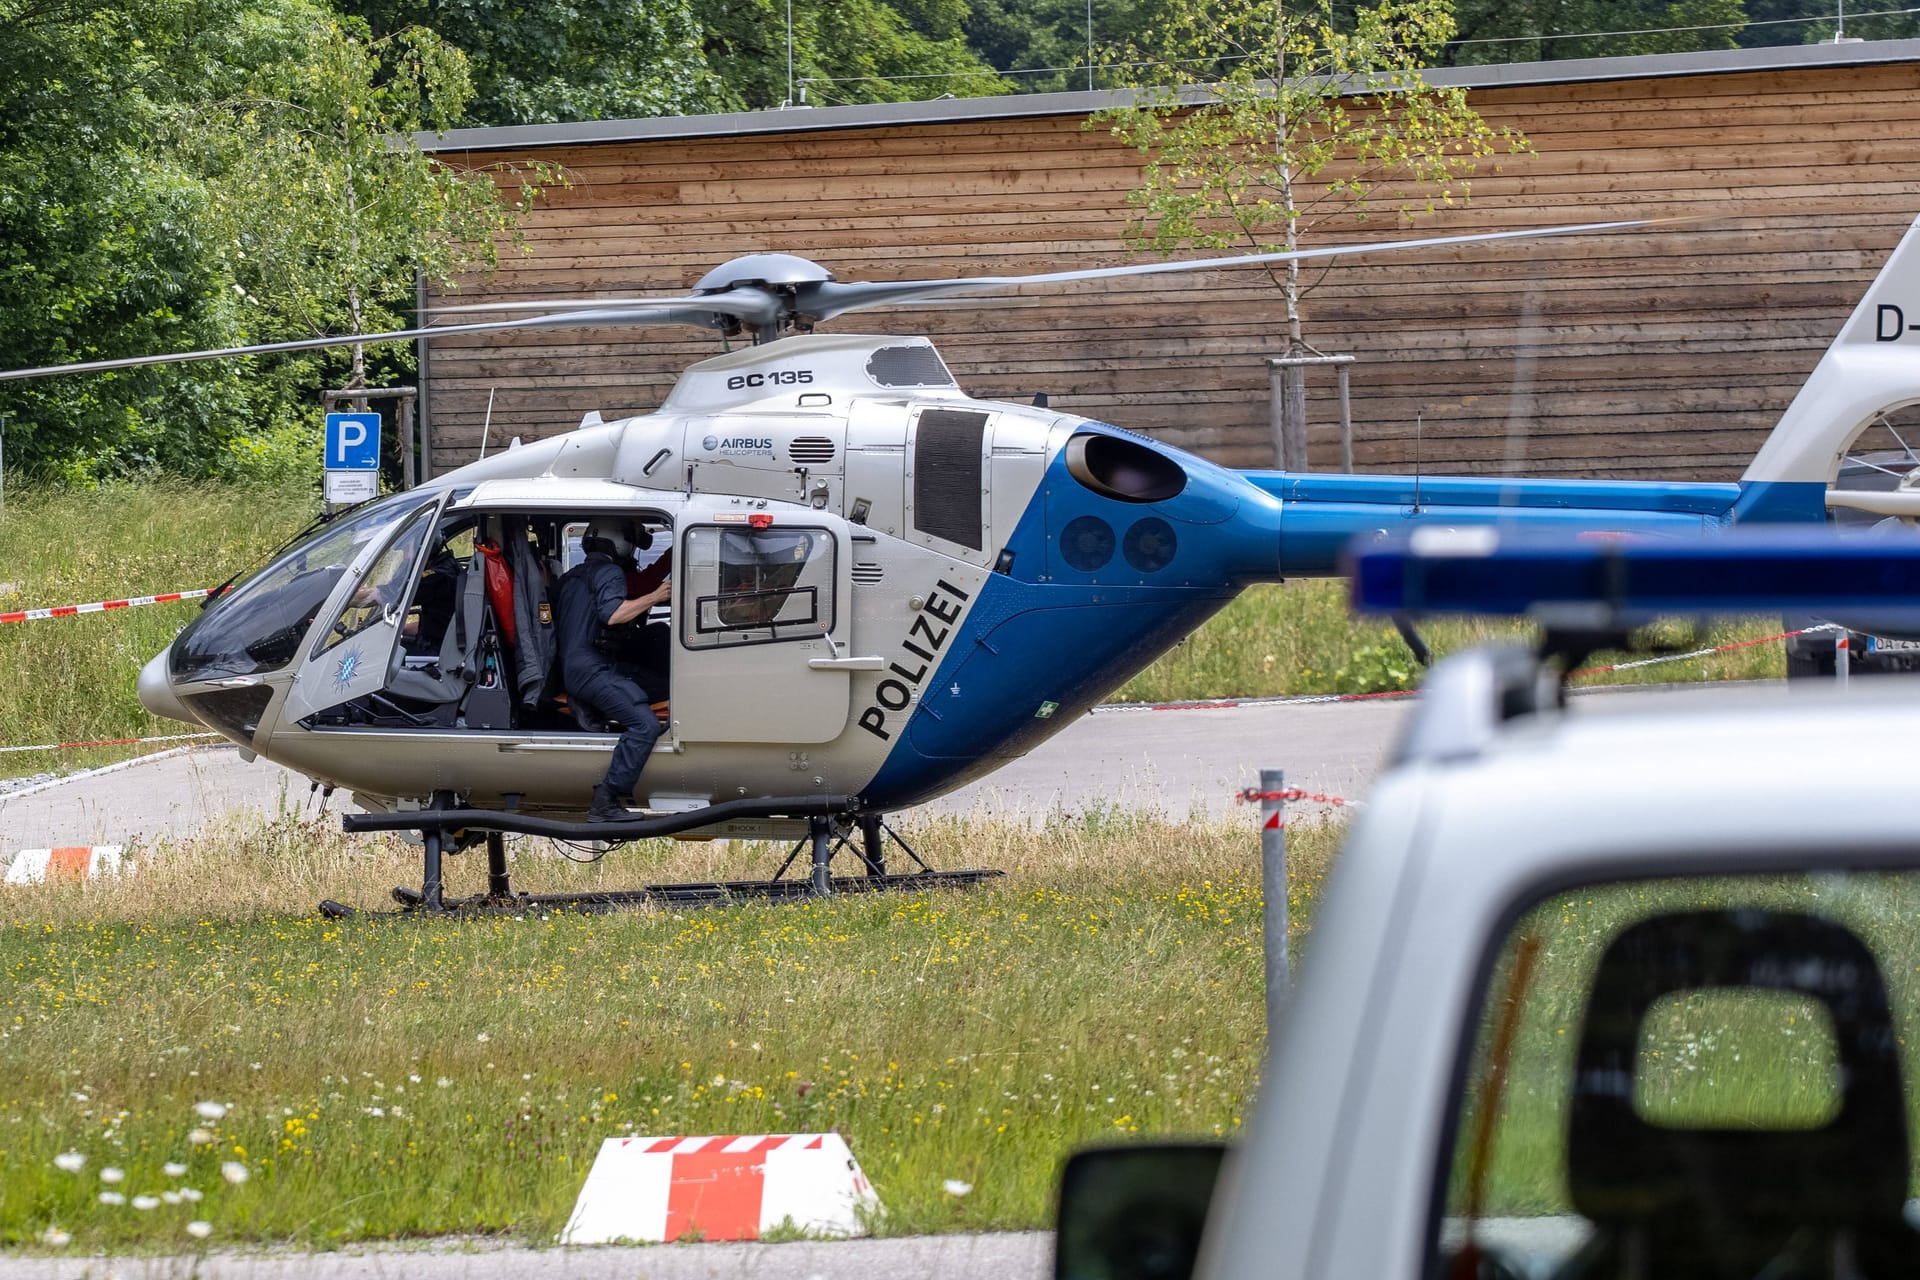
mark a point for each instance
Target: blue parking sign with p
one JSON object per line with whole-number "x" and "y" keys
{"x": 353, "y": 442}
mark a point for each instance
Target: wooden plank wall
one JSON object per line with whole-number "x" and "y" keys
{"x": 1665, "y": 354}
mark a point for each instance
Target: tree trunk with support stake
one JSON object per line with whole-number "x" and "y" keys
{"x": 1293, "y": 412}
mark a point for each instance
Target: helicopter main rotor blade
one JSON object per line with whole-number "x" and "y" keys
{"x": 831, "y": 298}
{"x": 703, "y": 316}
{"x": 746, "y": 304}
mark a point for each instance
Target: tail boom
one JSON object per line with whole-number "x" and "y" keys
{"x": 1321, "y": 514}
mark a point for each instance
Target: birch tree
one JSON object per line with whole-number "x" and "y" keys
{"x": 327, "y": 204}
{"x": 1293, "y": 124}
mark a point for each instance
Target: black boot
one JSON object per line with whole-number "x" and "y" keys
{"x": 607, "y": 807}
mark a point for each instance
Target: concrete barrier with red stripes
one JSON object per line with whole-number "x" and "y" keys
{"x": 721, "y": 1188}
{"x": 72, "y": 862}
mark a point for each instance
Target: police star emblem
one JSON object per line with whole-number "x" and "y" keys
{"x": 347, "y": 668}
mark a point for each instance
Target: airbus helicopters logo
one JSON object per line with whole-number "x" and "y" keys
{"x": 738, "y": 446}
{"x": 1891, "y": 324}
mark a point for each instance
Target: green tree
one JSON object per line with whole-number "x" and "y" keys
{"x": 323, "y": 205}
{"x": 1302, "y": 126}
{"x": 583, "y": 60}
{"x": 843, "y": 51}
{"x": 1043, "y": 44}
{"x": 1776, "y": 22}
{"x": 1544, "y": 30}
{"x": 102, "y": 249}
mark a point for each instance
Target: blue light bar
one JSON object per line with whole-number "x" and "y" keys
{"x": 1585, "y": 578}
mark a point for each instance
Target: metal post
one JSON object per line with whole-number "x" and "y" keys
{"x": 417, "y": 428}
{"x": 1346, "y": 420}
{"x": 873, "y": 850}
{"x": 498, "y": 885}
{"x": 1842, "y": 656}
{"x": 424, "y": 379}
{"x": 406, "y": 444}
{"x": 1273, "y": 890}
{"x": 1277, "y": 417}
{"x": 3, "y": 458}
{"x": 431, "y": 880}
{"x": 1278, "y": 367}
{"x": 820, "y": 831}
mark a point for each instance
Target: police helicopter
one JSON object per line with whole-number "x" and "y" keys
{"x": 880, "y": 588}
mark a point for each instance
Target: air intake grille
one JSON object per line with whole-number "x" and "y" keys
{"x": 946, "y": 475}
{"x": 867, "y": 574}
{"x": 908, "y": 367}
{"x": 810, "y": 450}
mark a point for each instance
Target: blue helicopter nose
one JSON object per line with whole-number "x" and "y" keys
{"x": 1126, "y": 548}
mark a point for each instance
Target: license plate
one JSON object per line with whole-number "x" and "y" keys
{"x": 1876, "y": 644}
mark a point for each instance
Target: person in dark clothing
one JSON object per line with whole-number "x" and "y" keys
{"x": 592, "y": 597}
{"x": 434, "y": 601}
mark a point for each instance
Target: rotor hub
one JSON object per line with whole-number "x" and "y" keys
{"x": 776, "y": 271}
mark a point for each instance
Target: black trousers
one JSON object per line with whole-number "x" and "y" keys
{"x": 618, "y": 698}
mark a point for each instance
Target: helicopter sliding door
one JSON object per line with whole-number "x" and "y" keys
{"x": 762, "y": 614}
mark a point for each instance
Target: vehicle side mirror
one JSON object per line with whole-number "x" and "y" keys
{"x": 1134, "y": 1212}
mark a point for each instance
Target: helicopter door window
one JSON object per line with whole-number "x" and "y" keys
{"x": 752, "y": 586}
{"x": 383, "y": 591}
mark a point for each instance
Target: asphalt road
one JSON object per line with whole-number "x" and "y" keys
{"x": 1182, "y": 762}
{"x": 1026, "y": 1255}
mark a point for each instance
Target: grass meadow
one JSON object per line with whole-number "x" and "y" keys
{"x": 75, "y": 676}
{"x": 72, "y": 547}
{"x": 190, "y": 1057}
{"x": 196, "y": 1027}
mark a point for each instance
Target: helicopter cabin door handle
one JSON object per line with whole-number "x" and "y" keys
{"x": 874, "y": 663}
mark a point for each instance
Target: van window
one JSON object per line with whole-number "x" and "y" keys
{"x": 1698, "y": 1076}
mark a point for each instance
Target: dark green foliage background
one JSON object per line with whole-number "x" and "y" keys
{"x": 107, "y": 245}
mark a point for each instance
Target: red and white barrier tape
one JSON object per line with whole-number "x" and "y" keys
{"x": 1702, "y": 653}
{"x": 1228, "y": 704}
{"x": 103, "y": 606}
{"x": 1309, "y": 699}
{"x": 1292, "y": 793}
{"x": 109, "y": 742}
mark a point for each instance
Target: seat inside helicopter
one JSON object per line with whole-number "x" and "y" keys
{"x": 474, "y": 602}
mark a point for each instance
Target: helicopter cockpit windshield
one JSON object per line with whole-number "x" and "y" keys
{"x": 257, "y": 626}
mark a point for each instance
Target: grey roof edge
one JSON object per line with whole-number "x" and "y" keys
{"x": 1016, "y": 106}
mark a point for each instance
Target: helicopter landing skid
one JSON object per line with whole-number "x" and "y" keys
{"x": 832, "y": 823}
